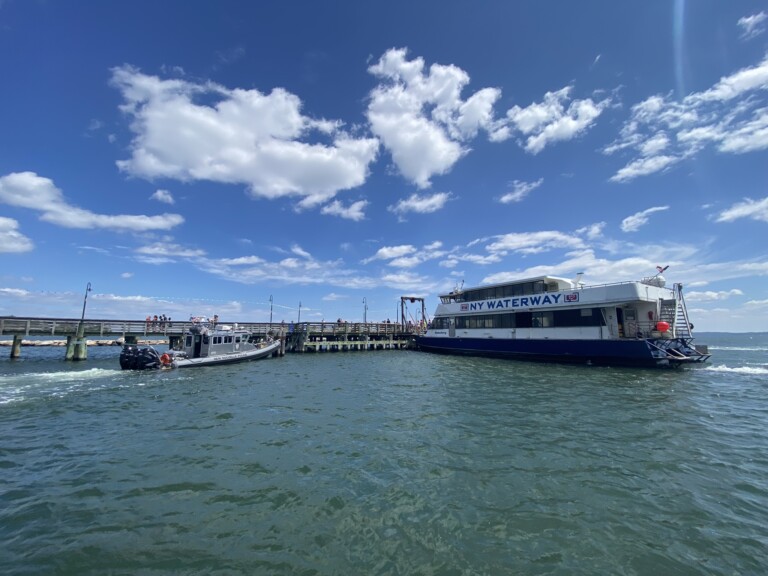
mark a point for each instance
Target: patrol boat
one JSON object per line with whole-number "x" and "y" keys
{"x": 203, "y": 345}
{"x": 546, "y": 318}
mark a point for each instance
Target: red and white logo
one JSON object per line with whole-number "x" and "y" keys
{"x": 572, "y": 297}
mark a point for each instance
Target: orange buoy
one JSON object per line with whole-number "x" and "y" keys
{"x": 662, "y": 326}
{"x": 165, "y": 359}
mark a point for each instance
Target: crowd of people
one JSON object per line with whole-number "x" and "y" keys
{"x": 158, "y": 322}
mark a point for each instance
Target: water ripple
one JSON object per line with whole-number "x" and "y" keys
{"x": 386, "y": 463}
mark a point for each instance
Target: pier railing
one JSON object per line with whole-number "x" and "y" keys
{"x": 12, "y": 325}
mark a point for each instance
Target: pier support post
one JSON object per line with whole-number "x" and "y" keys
{"x": 69, "y": 353}
{"x": 77, "y": 348}
{"x": 81, "y": 349}
{"x": 16, "y": 346}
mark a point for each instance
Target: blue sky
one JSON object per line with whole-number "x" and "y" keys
{"x": 204, "y": 157}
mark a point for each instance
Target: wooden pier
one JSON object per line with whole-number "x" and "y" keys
{"x": 301, "y": 337}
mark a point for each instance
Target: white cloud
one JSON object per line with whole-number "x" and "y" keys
{"x": 520, "y": 190}
{"x": 654, "y": 145}
{"x": 592, "y": 231}
{"x": 28, "y": 190}
{"x": 420, "y": 116}
{"x": 332, "y": 297}
{"x": 11, "y": 240}
{"x": 533, "y": 242}
{"x": 409, "y": 281}
{"x": 389, "y": 252}
{"x": 126, "y": 275}
{"x": 163, "y": 196}
{"x": 165, "y": 252}
{"x": 352, "y": 212}
{"x": 711, "y": 296}
{"x": 636, "y": 221}
{"x": 238, "y": 136}
{"x": 15, "y": 292}
{"x": 305, "y": 269}
{"x": 752, "y": 26}
{"x": 406, "y": 255}
{"x": 549, "y": 121}
{"x": 420, "y": 203}
{"x": 731, "y": 116}
{"x": 754, "y": 209}
{"x": 643, "y": 167}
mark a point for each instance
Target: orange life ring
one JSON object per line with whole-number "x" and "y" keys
{"x": 165, "y": 359}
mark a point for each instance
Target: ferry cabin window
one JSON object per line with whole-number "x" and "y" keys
{"x": 188, "y": 342}
{"x": 538, "y": 319}
{"x": 543, "y": 319}
{"x": 508, "y": 291}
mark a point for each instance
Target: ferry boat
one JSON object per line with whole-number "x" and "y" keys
{"x": 636, "y": 323}
{"x": 203, "y": 345}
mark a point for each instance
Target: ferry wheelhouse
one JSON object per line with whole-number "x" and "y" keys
{"x": 637, "y": 323}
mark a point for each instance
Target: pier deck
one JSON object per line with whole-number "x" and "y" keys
{"x": 302, "y": 337}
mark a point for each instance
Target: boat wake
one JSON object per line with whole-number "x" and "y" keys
{"x": 750, "y": 370}
{"x": 740, "y": 348}
{"x": 26, "y": 386}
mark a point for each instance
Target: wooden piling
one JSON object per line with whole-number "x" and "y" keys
{"x": 16, "y": 346}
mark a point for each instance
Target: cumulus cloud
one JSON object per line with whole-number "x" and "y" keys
{"x": 420, "y": 203}
{"x": 407, "y": 255}
{"x": 556, "y": 118}
{"x": 163, "y": 196}
{"x": 299, "y": 268}
{"x": 333, "y": 297}
{"x": 194, "y": 131}
{"x": 11, "y": 240}
{"x": 754, "y": 209}
{"x": 354, "y": 211}
{"x": 712, "y": 296}
{"x": 636, "y": 221}
{"x": 166, "y": 252}
{"x": 420, "y": 117}
{"x": 533, "y": 242}
{"x": 389, "y": 252}
{"x": 520, "y": 190}
{"x": 752, "y": 26}
{"x": 731, "y": 116}
{"x": 28, "y": 190}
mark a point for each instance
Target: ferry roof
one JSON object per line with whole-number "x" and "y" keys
{"x": 563, "y": 283}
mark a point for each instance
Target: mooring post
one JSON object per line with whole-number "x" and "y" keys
{"x": 69, "y": 353}
{"x": 16, "y": 346}
{"x": 80, "y": 349}
{"x": 77, "y": 346}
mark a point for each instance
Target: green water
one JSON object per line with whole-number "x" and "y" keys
{"x": 389, "y": 462}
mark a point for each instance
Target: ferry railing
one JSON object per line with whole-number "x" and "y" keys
{"x": 457, "y": 297}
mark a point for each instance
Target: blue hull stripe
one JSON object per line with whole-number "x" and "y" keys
{"x": 605, "y": 352}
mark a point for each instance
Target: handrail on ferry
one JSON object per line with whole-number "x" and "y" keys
{"x": 579, "y": 286}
